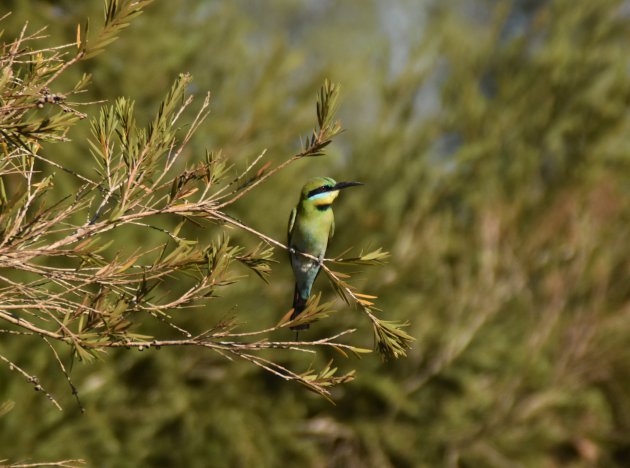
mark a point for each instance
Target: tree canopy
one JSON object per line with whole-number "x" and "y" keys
{"x": 491, "y": 137}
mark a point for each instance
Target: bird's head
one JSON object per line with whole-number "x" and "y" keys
{"x": 321, "y": 191}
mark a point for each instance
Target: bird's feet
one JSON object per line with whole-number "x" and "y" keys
{"x": 320, "y": 260}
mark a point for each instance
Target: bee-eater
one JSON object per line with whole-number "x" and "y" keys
{"x": 310, "y": 226}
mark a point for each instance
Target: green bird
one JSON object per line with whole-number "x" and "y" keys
{"x": 311, "y": 224}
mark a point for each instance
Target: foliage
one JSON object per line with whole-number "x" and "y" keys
{"x": 492, "y": 140}
{"x": 90, "y": 303}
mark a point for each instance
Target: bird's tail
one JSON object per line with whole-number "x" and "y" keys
{"x": 299, "y": 304}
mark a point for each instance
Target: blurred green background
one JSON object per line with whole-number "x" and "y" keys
{"x": 493, "y": 140}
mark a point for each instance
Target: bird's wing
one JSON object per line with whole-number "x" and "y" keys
{"x": 332, "y": 229}
{"x": 291, "y": 225}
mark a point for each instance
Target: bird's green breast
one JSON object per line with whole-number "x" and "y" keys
{"x": 312, "y": 229}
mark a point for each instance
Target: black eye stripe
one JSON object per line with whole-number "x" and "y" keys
{"x": 318, "y": 190}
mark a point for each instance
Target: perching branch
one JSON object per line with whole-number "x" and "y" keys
{"x": 63, "y": 279}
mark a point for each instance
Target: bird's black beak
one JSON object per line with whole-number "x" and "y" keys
{"x": 343, "y": 185}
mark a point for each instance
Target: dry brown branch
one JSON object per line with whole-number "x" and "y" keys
{"x": 63, "y": 280}
{"x": 63, "y": 463}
